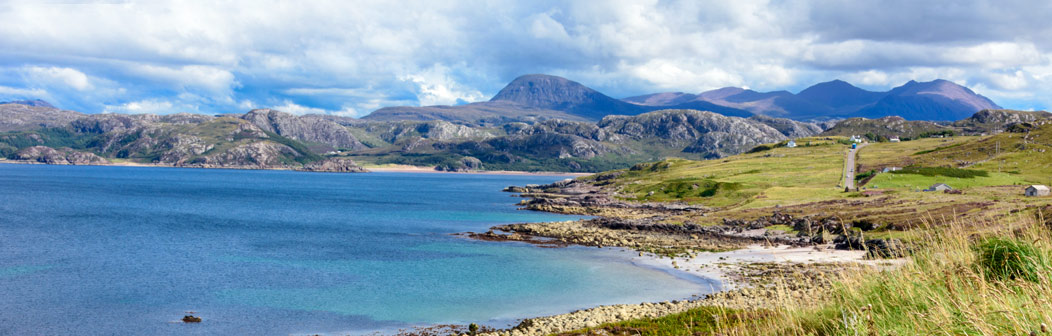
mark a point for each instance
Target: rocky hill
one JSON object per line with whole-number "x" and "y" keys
{"x": 980, "y": 123}
{"x": 882, "y": 129}
{"x": 266, "y": 138}
{"x": 19, "y": 116}
{"x": 994, "y": 121}
{"x": 182, "y": 140}
{"x": 613, "y": 142}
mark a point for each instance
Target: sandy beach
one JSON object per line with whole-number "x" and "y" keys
{"x": 726, "y": 267}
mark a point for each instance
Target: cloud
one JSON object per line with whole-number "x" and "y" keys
{"x": 60, "y": 76}
{"x": 20, "y": 93}
{"x": 355, "y": 57}
{"x": 141, "y": 107}
{"x": 435, "y": 86}
{"x": 293, "y": 108}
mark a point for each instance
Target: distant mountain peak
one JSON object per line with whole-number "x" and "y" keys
{"x": 33, "y": 102}
{"x": 543, "y": 91}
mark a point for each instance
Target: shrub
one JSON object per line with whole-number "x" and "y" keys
{"x": 942, "y": 171}
{"x": 1004, "y": 259}
{"x": 760, "y": 148}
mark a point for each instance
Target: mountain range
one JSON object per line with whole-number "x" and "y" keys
{"x": 541, "y": 97}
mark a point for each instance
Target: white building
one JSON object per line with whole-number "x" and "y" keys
{"x": 1036, "y": 190}
{"x": 791, "y": 144}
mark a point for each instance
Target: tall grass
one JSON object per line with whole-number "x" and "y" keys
{"x": 965, "y": 279}
{"x": 974, "y": 278}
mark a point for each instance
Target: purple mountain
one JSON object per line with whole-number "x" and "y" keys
{"x": 936, "y": 100}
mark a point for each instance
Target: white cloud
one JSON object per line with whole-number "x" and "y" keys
{"x": 188, "y": 77}
{"x": 293, "y": 108}
{"x": 143, "y": 106}
{"x": 436, "y": 87}
{"x": 20, "y": 93}
{"x": 364, "y": 55}
{"x": 61, "y": 76}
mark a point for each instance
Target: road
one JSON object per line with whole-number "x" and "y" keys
{"x": 849, "y": 166}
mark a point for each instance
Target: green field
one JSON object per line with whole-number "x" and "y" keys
{"x": 777, "y": 176}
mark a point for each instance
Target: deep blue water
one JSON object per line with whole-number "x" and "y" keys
{"x": 127, "y": 251}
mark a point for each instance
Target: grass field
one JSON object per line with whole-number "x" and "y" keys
{"x": 780, "y": 175}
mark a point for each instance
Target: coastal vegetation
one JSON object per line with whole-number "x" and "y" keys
{"x": 966, "y": 277}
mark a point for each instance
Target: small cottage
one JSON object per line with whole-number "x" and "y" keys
{"x": 1036, "y": 190}
{"x": 791, "y": 144}
{"x": 894, "y": 139}
{"x": 939, "y": 187}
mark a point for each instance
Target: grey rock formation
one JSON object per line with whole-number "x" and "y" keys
{"x": 61, "y": 156}
{"x": 304, "y": 128}
{"x": 710, "y": 134}
{"x": 256, "y": 155}
{"x": 22, "y": 117}
{"x": 334, "y": 165}
{"x": 789, "y": 128}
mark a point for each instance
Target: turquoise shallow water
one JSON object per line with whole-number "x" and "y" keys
{"x": 121, "y": 250}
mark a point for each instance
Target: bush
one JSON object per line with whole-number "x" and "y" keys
{"x": 1004, "y": 259}
{"x": 760, "y": 148}
{"x": 942, "y": 171}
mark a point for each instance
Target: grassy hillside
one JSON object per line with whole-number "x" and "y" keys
{"x": 779, "y": 175}
{"x": 1009, "y": 158}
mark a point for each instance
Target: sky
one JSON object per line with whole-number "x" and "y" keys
{"x": 350, "y": 58}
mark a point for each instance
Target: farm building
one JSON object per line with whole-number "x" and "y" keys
{"x": 1036, "y": 190}
{"x": 939, "y": 187}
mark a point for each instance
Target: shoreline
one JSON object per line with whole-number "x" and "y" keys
{"x": 741, "y": 255}
{"x": 424, "y": 169}
{"x": 729, "y": 269}
{"x": 380, "y": 169}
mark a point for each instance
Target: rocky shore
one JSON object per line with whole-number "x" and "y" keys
{"x": 744, "y": 255}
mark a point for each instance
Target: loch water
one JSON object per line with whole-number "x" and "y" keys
{"x": 88, "y": 250}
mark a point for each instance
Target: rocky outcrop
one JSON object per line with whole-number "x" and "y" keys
{"x": 23, "y": 117}
{"x": 304, "y": 128}
{"x": 334, "y": 165}
{"x": 708, "y": 133}
{"x": 885, "y": 127}
{"x": 789, "y": 128}
{"x": 994, "y": 121}
{"x": 465, "y": 164}
{"x": 584, "y": 130}
{"x": 256, "y": 155}
{"x": 61, "y": 156}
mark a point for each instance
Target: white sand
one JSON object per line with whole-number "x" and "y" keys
{"x": 717, "y": 265}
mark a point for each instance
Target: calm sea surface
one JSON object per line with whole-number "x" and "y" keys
{"x": 127, "y": 251}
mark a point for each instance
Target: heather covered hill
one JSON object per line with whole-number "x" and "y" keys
{"x": 938, "y": 100}
{"x": 935, "y": 100}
